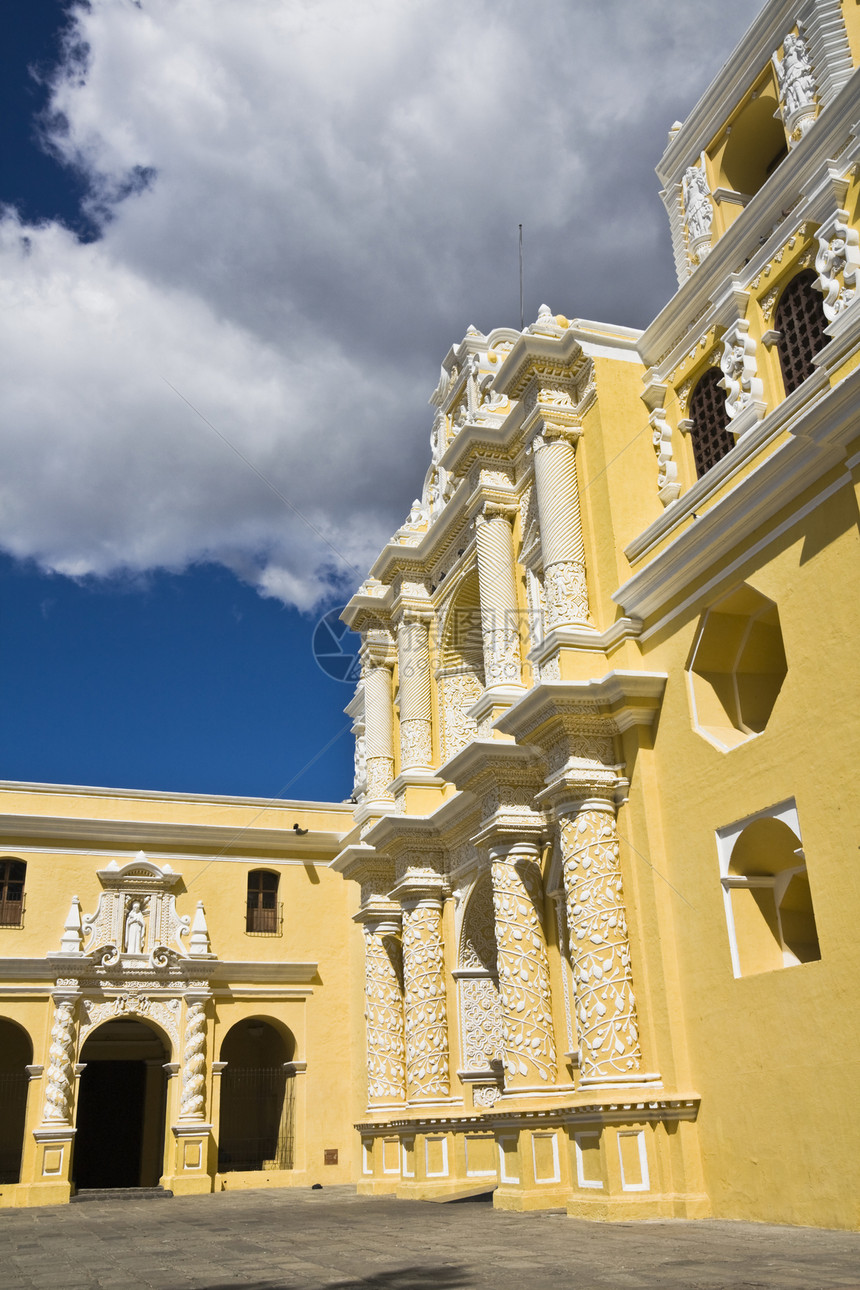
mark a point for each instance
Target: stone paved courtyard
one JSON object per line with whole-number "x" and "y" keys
{"x": 306, "y": 1240}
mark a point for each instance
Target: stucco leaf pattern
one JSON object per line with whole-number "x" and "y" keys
{"x": 426, "y": 1013}
{"x": 386, "y": 1070}
{"x": 523, "y": 974}
{"x": 599, "y": 946}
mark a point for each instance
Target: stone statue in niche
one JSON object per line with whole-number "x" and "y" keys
{"x": 135, "y": 929}
{"x": 697, "y": 204}
{"x": 796, "y": 81}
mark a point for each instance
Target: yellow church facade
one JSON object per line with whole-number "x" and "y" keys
{"x": 585, "y": 934}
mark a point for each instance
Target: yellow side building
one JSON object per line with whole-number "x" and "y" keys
{"x": 585, "y": 936}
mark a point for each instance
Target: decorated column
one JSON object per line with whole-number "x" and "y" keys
{"x": 499, "y": 610}
{"x": 192, "y": 1104}
{"x": 379, "y": 721}
{"x": 560, "y": 528}
{"x": 599, "y": 942}
{"x": 61, "y": 1069}
{"x": 413, "y": 657}
{"x": 530, "y": 1056}
{"x": 383, "y": 1011}
{"x": 425, "y": 1008}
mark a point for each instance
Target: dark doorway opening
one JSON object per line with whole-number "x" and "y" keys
{"x": 120, "y": 1119}
{"x": 16, "y": 1052}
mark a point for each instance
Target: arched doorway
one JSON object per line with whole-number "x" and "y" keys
{"x": 256, "y": 1129}
{"x": 120, "y": 1119}
{"x": 16, "y": 1053}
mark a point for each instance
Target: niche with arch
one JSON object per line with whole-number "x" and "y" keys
{"x": 736, "y": 668}
{"x": 256, "y": 1127}
{"x": 460, "y": 676}
{"x": 755, "y": 146}
{"x": 769, "y": 912}
{"x": 478, "y": 982}
{"x": 16, "y": 1054}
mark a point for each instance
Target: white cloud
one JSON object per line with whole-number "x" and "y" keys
{"x": 334, "y": 196}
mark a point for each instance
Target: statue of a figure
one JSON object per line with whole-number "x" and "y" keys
{"x": 697, "y": 203}
{"x": 135, "y": 926}
{"x": 796, "y": 81}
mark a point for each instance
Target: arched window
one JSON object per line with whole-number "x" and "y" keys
{"x": 257, "y": 1098}
{"x": 800, "y": 321}
{"x": 12, "y": 875}
{"x": 263, "y": 910}
{"x": 711, "y": 435}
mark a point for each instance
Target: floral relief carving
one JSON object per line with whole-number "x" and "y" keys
{"x": 458, "y": 693}
{"x": 529, "y": 1045}
{"x": 165, "y": 1013}
{"x": 481, "y": 1006}
{"x": 415, "y": 742}
{"x": 566, "y": 592}
{"x": 425, "y": 1009}
{"x": 599, "y": 945}
{"x": 383, "y": 1011}
{"x": 380, "y": 773}
{"x": 58, "y": 1094}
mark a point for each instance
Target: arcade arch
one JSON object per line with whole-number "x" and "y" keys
{"x": 256, "y": 1124}
{"x": 121, "y": 1106}
{"x": 16, "y": 1053}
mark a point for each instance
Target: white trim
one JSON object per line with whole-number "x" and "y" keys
{"x": 645, "y": 1184}
{"x": 157, "y": 795}
{"x": 556, "y": 1168}
{"x": 443, "y": 1138}
{"x": 367, "y": 1156}
{"x": 581, "y": 1179}
{"x": 405, "y": 1171}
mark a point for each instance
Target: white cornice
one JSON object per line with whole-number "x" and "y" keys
{"x": 629, "y": 698}
{"x": 149, "y": 833}
{"x": 45, "y": 969}
{"x": 157, "y": 795}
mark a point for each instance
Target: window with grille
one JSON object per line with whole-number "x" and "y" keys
{"x": 263, "y": 910}
{"x": 800, "y": 321}
{"x": 12, "y": 874}
{"x": 710, "y": 434}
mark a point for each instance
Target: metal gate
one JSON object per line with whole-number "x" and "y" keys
{"x": 257, "y": 1113}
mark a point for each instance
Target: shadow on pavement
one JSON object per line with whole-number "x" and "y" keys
{"x": 453, "y": 1277}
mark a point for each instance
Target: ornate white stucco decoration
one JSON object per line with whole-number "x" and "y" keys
{"x": 132, "y": 1003}
{"x": 698, "y": 211}
{"x": 58, "y": 1092}
{"x": 744, "y": 389}
{"x": 383, "y": 1011}
{"x": 135, "y": 923}
{"x": 797, "y": 91}
{"x": 668, "y": 486}
{"x": 547, "y": 323}
{"x": 836, "y": 263}
{"x": 193, "y": 1098}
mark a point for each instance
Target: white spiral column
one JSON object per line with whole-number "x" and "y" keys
{"x": 560, "y": 530}
{"x": 499, "y": 609}
{"x": 413, "y": 659}
{"x": 599, "y": 942}
{"x": 530, "y": 1055}
{"x": 193, "y": 1095}
{"x": 61, "y": 1068}
{"x": 379, "y": 729}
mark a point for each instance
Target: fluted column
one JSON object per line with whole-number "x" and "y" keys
{"x": 499, "y": 610}
{"x": 599, "y": 942}
{"x": 560, "y": 529}
{"x": 425, "y": 1009}
{"x": 383, "y": 1011}
{"x": 413, "y": 658}
{"x": 530, "y": 1056}
{"x": 379, "y": 728}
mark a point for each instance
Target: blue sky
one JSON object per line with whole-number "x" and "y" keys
{"x": 235, "y": 243}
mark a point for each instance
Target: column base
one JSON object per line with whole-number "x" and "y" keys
{"x": 622, "y": 1209}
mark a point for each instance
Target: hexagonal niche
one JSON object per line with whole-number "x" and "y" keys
{"x": 736, "y": 668}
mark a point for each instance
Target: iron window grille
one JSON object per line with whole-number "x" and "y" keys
{"x": 12, "y": 876}
{"x": 710, "y": 434}
{"x": 263, "y": 910}
{"x": 800, "y": 321}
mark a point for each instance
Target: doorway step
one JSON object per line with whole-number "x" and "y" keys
{"x": 122, "y": 1193}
